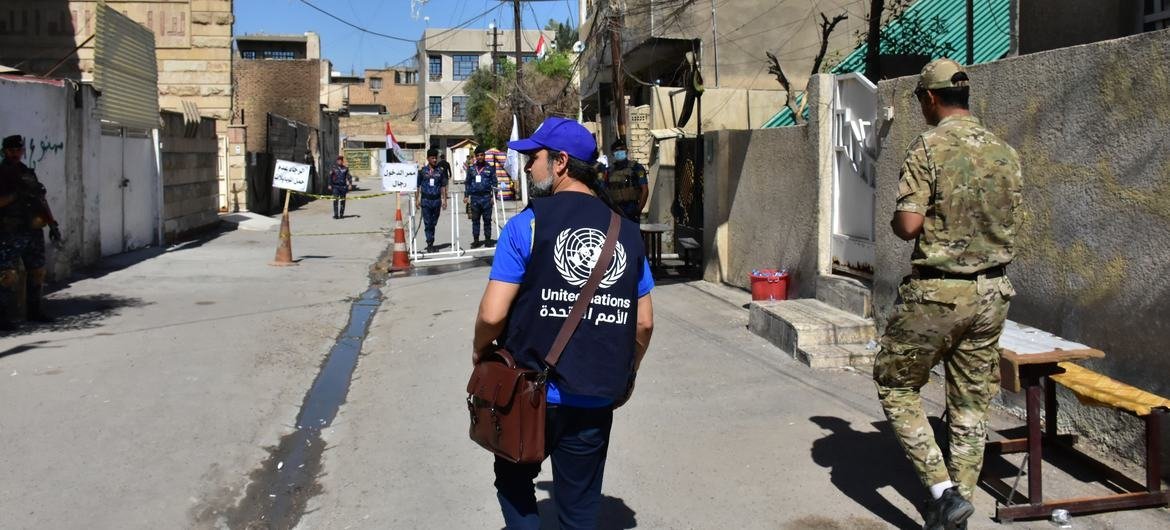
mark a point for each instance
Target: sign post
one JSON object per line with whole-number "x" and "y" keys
{"x": 289, "y": 176}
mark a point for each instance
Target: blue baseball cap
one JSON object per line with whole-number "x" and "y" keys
{"x": 560, "y": 134}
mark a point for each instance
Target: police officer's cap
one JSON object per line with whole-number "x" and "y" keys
{"x": 432, "y": 152}
{"x": 13, "y": 142}
{"x": 620, "y": 143}
{"x": 942, "y": 73}
{"x": 479, "y": 150}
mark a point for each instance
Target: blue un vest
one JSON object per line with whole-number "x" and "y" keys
{"x": 569, "y": 229}
{"x": 425, "y": 175}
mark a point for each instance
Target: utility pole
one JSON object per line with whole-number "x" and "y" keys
{"x": 495, "y": 52}
{"x": 615, "y": 49}
{"x": 715, "y": 42}
{"x": 970, "y": 32}
{"x": 519, "y": 68}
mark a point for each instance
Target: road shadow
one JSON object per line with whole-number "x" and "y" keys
{"x": 615, "y": 515}
{"x": 861, "y": 463}
{"x": 28, "y": 346}
{"x": 118, "y": 262}
{"x": 73, "y": 313}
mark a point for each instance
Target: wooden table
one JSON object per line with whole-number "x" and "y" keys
{"x": 652, "y": 239}
{"x": 1029, "y": 357}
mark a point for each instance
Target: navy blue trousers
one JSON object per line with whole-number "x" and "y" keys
{"x": 430, "y": 214}
{"x": 577, "y": 440}
{"x": 481, "y": 209}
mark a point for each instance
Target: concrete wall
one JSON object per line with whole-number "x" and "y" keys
{"x": 401, "y": 101}
{"x": 1093, "y": 255}
{"x": 190, "y": 189}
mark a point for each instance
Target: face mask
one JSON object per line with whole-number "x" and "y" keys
{"x": 619, "y": 156}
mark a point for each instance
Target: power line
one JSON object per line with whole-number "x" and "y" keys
{"x": 355, "y": 26}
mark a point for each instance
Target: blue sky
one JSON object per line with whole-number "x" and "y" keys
{"x": 348, "y": 47}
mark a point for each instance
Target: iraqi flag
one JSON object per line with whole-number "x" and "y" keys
{"x": 541, "y": 47}
{"x": 392, "y": 144}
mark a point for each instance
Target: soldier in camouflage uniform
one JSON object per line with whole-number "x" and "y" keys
{"x": 23, "y": 219}
{"x": 958, "y": 195}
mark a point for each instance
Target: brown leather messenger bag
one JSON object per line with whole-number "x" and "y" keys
{"x": 507, "y": 402}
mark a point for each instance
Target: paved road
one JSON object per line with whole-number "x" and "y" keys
{"x": 159, "y": 396}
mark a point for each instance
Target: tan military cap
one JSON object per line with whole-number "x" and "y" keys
{"x": 938, "y": 74}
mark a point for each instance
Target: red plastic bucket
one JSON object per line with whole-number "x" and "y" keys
{"x": 769, "y": 284}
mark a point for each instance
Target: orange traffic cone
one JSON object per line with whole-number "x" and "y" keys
{"x": 401, "y": 258}
{"x": 284, "y": 248}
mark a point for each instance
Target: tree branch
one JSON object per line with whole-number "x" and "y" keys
{"x": 827, "y": 27}
{"x": 790, "y": 97}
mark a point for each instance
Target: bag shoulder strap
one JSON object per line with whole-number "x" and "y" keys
{"x": 590, "y": 287}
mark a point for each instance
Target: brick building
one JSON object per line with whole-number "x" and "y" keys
{"x": 381, "y": 96}
{"x": 280, "y": 111}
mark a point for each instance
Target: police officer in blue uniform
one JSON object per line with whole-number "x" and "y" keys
{"x": 541, "y": 261}
{"x": 481, "y": 188}
{"x": 431, "y": 196}
{"x": 340, "y": 182}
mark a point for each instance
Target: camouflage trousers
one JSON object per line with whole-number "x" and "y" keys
{"x": 957, "y": 322}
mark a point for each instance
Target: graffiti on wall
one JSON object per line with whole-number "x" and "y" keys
{"x": 36, "y": 150}
{"x": 170, "y": 21}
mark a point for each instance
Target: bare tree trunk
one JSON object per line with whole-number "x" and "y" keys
{"x": 790, "y": 96}
{"x": 873, "y": 40}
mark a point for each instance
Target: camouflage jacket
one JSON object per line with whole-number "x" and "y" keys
{"x": 967, "y": 183}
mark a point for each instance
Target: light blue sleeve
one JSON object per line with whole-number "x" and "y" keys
{"x": 513, "y": 249}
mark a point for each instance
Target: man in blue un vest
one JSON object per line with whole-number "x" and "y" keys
{"x": 431, "y": 195}
{"x": 542, "y": 260}
{"x": 481, "y": 185}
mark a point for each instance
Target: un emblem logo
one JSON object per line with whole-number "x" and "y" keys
{"x": 577, "y": 252}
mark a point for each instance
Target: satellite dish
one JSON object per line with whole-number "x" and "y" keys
{"x": 578, "y": 47}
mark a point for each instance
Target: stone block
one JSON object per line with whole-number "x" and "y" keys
{"x": 211, "y": 5}
{"x": 847, "y": 294}
{"x": 213, "y": 41}
{"x": 803, "y": 323}
{"x": 210, "y": 30}
{"x": 837, "y": 356}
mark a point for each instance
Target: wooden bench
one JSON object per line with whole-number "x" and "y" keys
{"x": 1034, "y": 362}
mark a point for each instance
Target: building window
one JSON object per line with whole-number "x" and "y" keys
{"x": 435, "y": 64}
{"x": 280, "y": 55}
{"x": 464, "y": 65}
{"x": 406, "y": 78}
{"x": 248, "y": 54}
{"x": 375, "y": 83}
{"x": 459, "y": 108}
{"x": 436, "y": 108}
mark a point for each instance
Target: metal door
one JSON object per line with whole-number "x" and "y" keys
{"x": 854, "y": 161}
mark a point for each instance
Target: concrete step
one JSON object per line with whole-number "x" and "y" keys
{"x": 847, "y": 294}
{"x": 805, "y": 323}
{"x": 837, "y": 356}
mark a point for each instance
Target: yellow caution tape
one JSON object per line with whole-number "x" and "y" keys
{"x": 347, "y": 197}
{"x": 339, "y": 233}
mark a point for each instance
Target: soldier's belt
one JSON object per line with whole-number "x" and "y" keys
{"x": 930, "y": 273}
{"x": 432, "y": 197}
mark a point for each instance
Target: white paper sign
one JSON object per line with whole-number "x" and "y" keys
{"x": 291, "y": 176}
{"x": 399, "y": 177}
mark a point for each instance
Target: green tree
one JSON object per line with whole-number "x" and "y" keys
{"x": 564, "y": 34}
{"x": 547, "y": 90}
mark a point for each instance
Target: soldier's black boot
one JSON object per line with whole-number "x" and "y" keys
{"x": 33, "y": 301}
{"x": 335, "y": 208}
{"x": 341, "y": 211}
{"x": 475, "y": 242}
{"x": 949, "y": 512}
